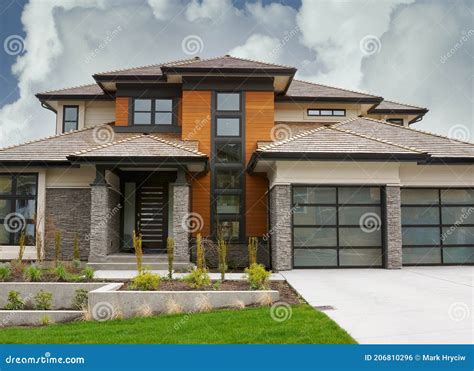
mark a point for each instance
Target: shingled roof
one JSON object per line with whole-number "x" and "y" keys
{"x": 77, "y": 92}
{"x": 304, "y": 90}
{"x": 56, "y": 149}
{"x": 387, "y": 106}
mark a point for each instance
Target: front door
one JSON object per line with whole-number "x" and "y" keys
{"x": 152, "y": 214}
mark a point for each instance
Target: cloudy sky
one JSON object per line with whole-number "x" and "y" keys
{"x": 410, "y": 51}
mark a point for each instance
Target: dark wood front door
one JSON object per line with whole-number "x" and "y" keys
{"x": 152, "y": 214}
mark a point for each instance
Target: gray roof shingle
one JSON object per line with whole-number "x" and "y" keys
{"x": 389, "y": 106}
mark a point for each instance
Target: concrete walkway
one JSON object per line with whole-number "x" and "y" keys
{"x": 117, "y": 275}
{"x": 425, "y": 305}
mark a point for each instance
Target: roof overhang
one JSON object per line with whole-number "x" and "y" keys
{"x": 399, "y": 111}
{"x": 285, "y": 98}
{"x": 326, "y": 156}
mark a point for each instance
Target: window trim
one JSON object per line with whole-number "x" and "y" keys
{"x": 64, "y": 117}
{"x": 326, "y": 109}
{"x": 13, "y": 197}
{"x": 152, "y": 124}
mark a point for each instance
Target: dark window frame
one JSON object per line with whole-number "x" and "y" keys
{"x": 396, "y": 121}
{"x": 174, "y": 112}
{"x": 13, "y": 198}
{"x": 338, "y": 226}
{"x": 325, "y": 109}
{"x": 214, "y": 165}
{"x": 441, "y": 226}
{"x": 69, "y": 121}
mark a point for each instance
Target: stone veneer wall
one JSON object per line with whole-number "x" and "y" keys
{"x": 181, "y": 206}
{"x": 280, "y": 227}
{"x": 68, "y": 211}
{"x": 105, "y": 222}
{"x": 393, "y": 228}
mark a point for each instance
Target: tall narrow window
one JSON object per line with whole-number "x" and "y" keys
{"x": 228, "y": 165}
{"x": 70, "y": 118}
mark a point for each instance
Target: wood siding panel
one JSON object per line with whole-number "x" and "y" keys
{"x": 121, "y": 111}
{"x": 259, "y": 120}
{"x": 196, "y": 125}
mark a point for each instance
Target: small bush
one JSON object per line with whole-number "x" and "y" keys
{"x": 170, "y": 252}
{"x": 200, "y": 254}
{"x": 33, "y": 273}
{"x": 197, "y": 278}
{"x": 45, "y": 320}
{"x": 80, "y": 300}
{"x": 88, "y": 273}
{"x": 15, "y": 302}
{"x": 5, "y": 272}
{"x": 43, "y": 300}
{"x": 145, "y": 281}
{"x": 137, "y": 245}
{"x": 17, "y": 267}
{"x": 257, "y": 276}
{"x": 57, "y": 247}
{"x": 61, "y": 273}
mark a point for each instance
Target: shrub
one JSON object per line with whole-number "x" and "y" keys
{"x": 17, "y": 267}
{"x": 137, "y": 245}
{"x": 43, "y": 300}
{"x": 200, "y": 255}
{"x": 5, "y": 272}
{"x": 45, "y": 320}
{"x": 170, "y": 252}
{"x": 21, "y": 244}
{"x": 57, "y": 247}
{"x": 257, "y": 276}
{"x": 80, "y": 299}
{"x": 197, "y": 278}
{"x": 75, "y": 249}
{"x": 33, "y": 273}
{"x": 145, "y": 281}
{"x": 61, "y": 273}
{"x": 222, "y": 252}
{"x": 252, "y": 250}
{"x": 15, "y": 302}
{"x": 88, "y": 273}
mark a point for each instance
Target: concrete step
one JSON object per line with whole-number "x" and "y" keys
{"x": 130, "y": 258}
{"x": 178, "y": 266}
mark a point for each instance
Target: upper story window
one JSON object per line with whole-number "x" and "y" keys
{"x": 326, "y": 112}
{"x": 70, "y": 118}
{"x": 396, "y": 121}
{"x": 153, "y": 112}
{"x": 228, "y": 102}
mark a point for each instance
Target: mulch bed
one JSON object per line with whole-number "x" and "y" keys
{"x": 287, "y": 294}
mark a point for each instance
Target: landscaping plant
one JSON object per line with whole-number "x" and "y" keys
{"x": 76, "y": 256}
{"x": 170, "y": 252}
{"x": 145, "y": 281}
{"x": 257, "y": 276}
{"x": 21, "y": 244}
{"x": 45, "y": 320}
{"x": 43, "y": 300}
{"x": 15, "y": 302}
{"x": 200, "y": 255}
{"x": 137, "y": 245}
{"x": 33, "y": 273}
{"x": 57, "y": 247}
{"x": 222, "y": 252}
{"x": 88, "y": 273}
{"x": 5, "y": 272}
{"x": 252, "y": 250}
{"x": 39, "y": 240}
{"x": 61, "y": 273}
{"x": 198, "y": 278}
{"x": 81, "y": 297}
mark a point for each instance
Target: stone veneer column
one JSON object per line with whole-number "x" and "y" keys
{"x": 280, "y": 227}
{"x": 393, "y": 228}
{"x": 181, "y": 214}
{"x": 105, "y": 219}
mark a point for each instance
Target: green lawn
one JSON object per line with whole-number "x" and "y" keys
{"x": 247, "y": 326}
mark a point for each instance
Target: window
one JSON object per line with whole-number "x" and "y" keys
{"x": 396, "y": 121}
{"x": 70, "y": 118}
{"x": 153, "y": 112}
{"x": 227, "y": 165}
{"x": 228, "y": 101}
{"x": 326, "y": 112}
{"x": 437, "y": 226}
{"x": 18, "y": 194}
{"x": 337, "y": 226}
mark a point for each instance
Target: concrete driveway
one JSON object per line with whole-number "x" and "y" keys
{"x": 413, "y": 305}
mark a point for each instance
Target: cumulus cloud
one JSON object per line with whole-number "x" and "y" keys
{"x": 259, "y": 47}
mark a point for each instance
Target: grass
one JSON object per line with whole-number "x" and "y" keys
{"x": 247, "y": 326}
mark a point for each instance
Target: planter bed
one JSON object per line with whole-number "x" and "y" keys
{"x": 36, "y": 317}
{"x": 115, "y": 299}
{"x": 63, "y": 292}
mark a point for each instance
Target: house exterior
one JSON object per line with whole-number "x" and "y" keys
{"x": 324, "y": 177}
